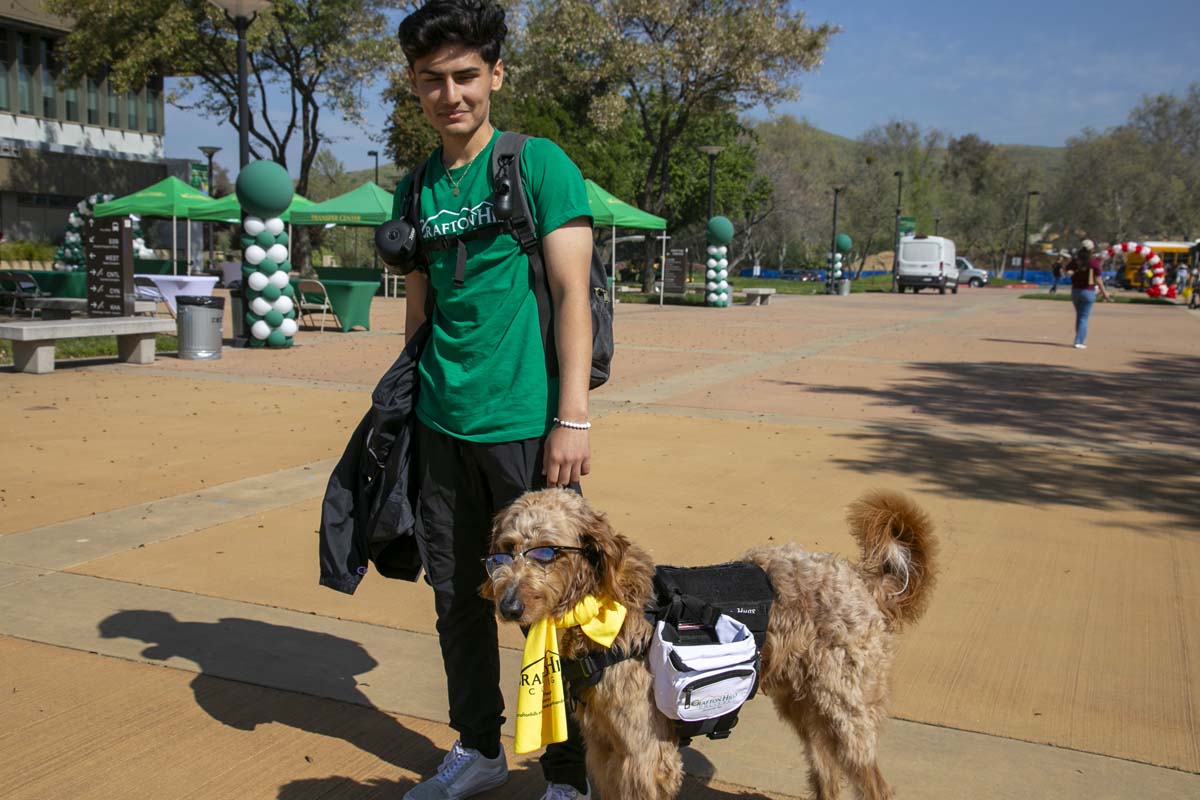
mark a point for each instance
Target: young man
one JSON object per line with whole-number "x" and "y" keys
{"x": 491, "y": 423}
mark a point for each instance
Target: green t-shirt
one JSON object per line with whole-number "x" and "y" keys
{"x": 483, "y": 372}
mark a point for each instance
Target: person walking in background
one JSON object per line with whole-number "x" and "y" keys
{"x": 1057, "y": 271}
{"x": 1181, "y": 277}
{"x": 1085, "y": 283}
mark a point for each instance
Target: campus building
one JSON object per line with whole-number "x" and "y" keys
{"x": 60, "y": 143}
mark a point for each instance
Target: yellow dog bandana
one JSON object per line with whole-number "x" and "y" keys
{"x": 541, "y": 710}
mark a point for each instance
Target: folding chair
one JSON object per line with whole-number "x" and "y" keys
{"x": 19, "y": 286}
{"x": 145, "y": 289}
{"x": 306, "y": 290}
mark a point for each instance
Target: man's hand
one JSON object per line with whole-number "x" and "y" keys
{"x": 568, "y": 456}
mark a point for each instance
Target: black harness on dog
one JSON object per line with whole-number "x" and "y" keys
{"x": 690, "y": 598}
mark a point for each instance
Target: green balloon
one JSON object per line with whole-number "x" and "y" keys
{"x": 271, "y": 292}
{"x": 267, "y": 267}
{"x": 282, "y": 238}
{"x": 286, "y": 266}
{"x": 843, "y": 243}
{"x": 264, "y": 189}
{"x": 248, "y": 270}
{"x": 277, "y": 339}
{"x": 274, "y": 318}
{"x": 288, "y": 291}
{"x": 246, "y": 240}
{"x": 264, "y": 240}
{"x": 252, "y": 342}
{"x": 720, "y": 231}
{"x": 251, "y": 318}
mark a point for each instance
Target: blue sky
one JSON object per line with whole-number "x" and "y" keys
{"x": 1017, "y": 72}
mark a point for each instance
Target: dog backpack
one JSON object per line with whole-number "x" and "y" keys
{"x": 704, "y": 653}
{"x": 511, "y": 208}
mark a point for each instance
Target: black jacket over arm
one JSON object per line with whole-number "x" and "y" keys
{"x": 368, "y": 513}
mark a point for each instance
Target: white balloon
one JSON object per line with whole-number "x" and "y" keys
{"x": 711, "y": 263}
{"x": 722, "y": 297}
{"x": 723, "y": 274}
{"x": 253, "y": 225}
{"x": 277, "y": 253}
{"x": 711, "y": 285}
{"x": 279, "y": 279}
{"x": 282, "y": 304}
{"x": 257, "y": 281}
{"x": 288, "y": 327}
{"x": 274, "y": 226}
{"x": 722, "y": 250}
{"x": 723, "y": 263}
{"x": 254, "y": 255}
{"x": 712, "y": 273}
{"x": 260, "y": 306}
{"x": 712, "y": 249}
{"x": 260, "y": 329}
{"x": 723, "y": 285}
{"x": 711, "y": 297}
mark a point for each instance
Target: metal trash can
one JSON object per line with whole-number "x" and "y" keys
{"x": 843, "y": 286}
{"x": 199, "y": 320}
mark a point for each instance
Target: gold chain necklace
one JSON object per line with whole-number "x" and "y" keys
{"x": 457, "y": 183}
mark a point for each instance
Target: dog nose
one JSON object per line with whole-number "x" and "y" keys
{"x": 511, "y": 607}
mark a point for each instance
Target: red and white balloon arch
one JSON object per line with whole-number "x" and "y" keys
{"x": 1152, "y": 263}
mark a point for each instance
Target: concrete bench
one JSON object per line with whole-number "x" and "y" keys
{"x": 63, "y": 307}
{"x": 758, "y": 297}
{"x": 33, "y": 342}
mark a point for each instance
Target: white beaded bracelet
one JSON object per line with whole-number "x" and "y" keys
{"x": 575, "y": 426}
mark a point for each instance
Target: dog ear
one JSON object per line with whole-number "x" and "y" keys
{"x": 606, "y": 551}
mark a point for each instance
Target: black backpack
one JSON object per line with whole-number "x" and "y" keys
{"x": 515, "y": 218}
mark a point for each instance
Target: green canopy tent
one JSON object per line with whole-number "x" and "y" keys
{"x": 227, "y": 209}
{"x": 368, "y": 206}
{"x": 609, "y": 210}
{"x": 170, "y": 197}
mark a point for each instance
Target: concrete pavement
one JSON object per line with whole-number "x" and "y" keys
{"x": 164, "y": 516}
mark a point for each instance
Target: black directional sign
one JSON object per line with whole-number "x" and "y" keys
{"x": 675, "y": 272}
{"x": 108, "y": 244}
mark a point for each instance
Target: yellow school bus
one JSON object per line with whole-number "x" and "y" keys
{"x": 1132, "y": 276}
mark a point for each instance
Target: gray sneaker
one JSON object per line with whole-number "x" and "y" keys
{"x": 464, "y": 772}
{"x": 565, "y": 791}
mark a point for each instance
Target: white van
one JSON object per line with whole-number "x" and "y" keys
{"x": 927, "y": 261}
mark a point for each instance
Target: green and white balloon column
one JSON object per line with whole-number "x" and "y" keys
{"x": 718, "y": 292}
{"x": 264, "y": 191}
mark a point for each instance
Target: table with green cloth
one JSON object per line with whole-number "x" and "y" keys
{"x": 71, "y": 283}
{"x": 349, "y": 300}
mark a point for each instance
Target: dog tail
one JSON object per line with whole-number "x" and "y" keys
{"x": 899, "y": 553}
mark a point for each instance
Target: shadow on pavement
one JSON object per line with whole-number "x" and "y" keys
{"x": 1157, "y": 402}
{"x": 238, "y": 658}
{"x": 523, "y": 784}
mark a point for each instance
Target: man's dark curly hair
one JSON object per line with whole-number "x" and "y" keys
{"x": 478, "y": 24}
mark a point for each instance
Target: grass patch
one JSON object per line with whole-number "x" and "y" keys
{"x": 1117, "y": 298}
{"x": 91, "y": 347}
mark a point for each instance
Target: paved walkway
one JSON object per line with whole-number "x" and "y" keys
{"x": 165, "y": 516}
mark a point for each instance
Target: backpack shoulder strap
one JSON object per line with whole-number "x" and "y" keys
{"x": 412, "y": 214}
{"x": 518, "y": 219}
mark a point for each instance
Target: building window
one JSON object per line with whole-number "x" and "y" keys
{"x": 49, "y": 76}
{"x": 93, "y": 102}
{"x": 25, "y": 74}
{"x": 114, "y": 108}
{"x": 131, "y": 109}
{"x": 4, "y": 99}
{"x": 152, "y": 110}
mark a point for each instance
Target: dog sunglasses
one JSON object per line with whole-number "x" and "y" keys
{"x": 543, "y": 556}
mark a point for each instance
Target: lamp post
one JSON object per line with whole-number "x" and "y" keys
{"x": 1025, "y": 239}
{"x": 896, "y": 255}
{"x": 210, "y": 151}
{"x": 937, "y": 221}
{"x": 833, "y": 237}
{"x": 712, "y": 151}
{"x": 375, "y": 153}
{"x": 241, "y": 13}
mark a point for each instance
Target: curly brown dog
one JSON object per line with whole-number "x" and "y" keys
{"x": 825, "y": 661}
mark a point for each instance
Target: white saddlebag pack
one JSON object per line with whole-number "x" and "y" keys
{"x": 703, "y": 672}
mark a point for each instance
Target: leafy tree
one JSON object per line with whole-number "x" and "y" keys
{"x": 305, "y": 57}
